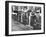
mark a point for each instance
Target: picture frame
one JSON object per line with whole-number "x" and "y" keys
{"x": 17, "y": 24}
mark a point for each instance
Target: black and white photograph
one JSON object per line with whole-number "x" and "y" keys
{"x": 24, "y": 18}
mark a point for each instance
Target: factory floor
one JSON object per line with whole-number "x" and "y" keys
{"x": 17, "y": 26}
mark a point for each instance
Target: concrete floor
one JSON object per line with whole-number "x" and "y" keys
{"x": 16, "y": 26}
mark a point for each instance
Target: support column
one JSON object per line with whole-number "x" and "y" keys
{"x": 30, "y": 19}
{"x": 21, "y": 18}
{"x": 18, "y": 17}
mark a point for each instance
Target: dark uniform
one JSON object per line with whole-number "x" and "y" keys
{"x": 25, "y": 20}
{"x": 37, "y": 22}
